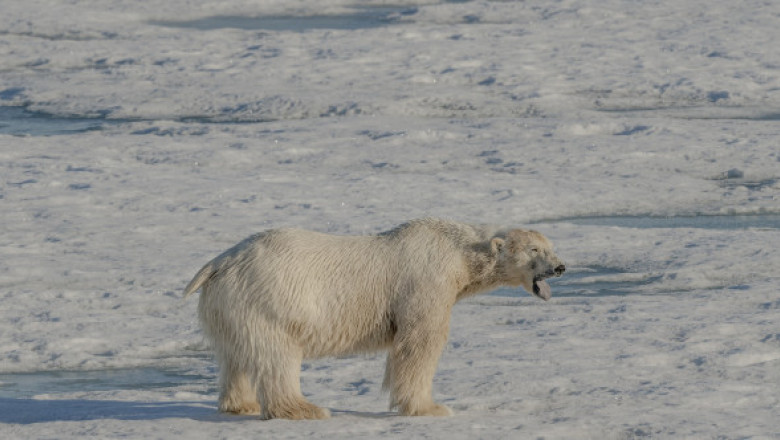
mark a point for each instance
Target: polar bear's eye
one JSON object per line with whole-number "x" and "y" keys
{"x": 535, "y": 250}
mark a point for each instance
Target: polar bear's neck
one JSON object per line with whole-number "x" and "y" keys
{"x": 472, "y": 241}
{"x": 481, "y": 267}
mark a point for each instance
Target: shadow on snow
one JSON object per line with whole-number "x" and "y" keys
{"x": 28, "y": 411}
{"x": 31, "y": 411}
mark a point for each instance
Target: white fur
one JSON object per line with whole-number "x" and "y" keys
{"x": 284, "y": 295}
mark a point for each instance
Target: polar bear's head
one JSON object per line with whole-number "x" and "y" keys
{"x": 526, "y": 258}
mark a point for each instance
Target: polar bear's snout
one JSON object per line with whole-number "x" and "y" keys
{"x": 555, "y": 269}
{"x": 550, "y": 273}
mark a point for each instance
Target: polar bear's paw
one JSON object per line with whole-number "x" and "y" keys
{"x": 300, "y": 410}
{"x": 434, "y": 409}
{"x": 246, "y": 408}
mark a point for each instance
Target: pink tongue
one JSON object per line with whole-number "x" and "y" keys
{"x": 544, "y": 290}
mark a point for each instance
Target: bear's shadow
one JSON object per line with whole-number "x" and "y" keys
{"x": 30, "y": 411}
{"x": 363, "y": 414}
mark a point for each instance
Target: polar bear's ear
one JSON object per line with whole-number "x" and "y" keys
{"x": 496, "y": 245}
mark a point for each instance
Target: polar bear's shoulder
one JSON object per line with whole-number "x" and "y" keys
{"x": 458, "y": 233}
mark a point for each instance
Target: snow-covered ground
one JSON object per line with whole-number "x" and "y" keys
{"x": 138, "y": 139}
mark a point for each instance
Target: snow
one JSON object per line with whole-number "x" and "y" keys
{"x": 140, "y": 139}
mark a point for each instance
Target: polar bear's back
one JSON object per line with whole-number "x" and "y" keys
{"x": 307, "y": 283}
{"x": 321, "y": 268}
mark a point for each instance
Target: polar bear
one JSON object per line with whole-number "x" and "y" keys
{"x": 285, "y": 295}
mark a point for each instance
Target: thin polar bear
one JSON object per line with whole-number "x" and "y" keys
{"x": 285, "y": 295}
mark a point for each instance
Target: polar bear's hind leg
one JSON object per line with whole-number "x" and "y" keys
{"x": 238, "y": 394}
{"x": 280, "y": 383}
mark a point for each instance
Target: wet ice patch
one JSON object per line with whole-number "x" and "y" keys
{"x": 603, "y": 281}
{"x": 693, "y": 111}
{"x": 19, "y": 121}
{"x": 360, "y": 18}
{"x": 766, "y": 221}
{"x": 12, "y": 93}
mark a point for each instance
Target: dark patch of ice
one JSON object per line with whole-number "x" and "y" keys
{"x": 19, "y": 121}
{"x": 633, "y": 130}
{"x": 716, "y": 96}
{"x": 11, "y": 93}
{"x": 362, "y": 18}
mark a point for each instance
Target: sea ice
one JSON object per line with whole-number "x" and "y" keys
{"x": 641, "y": 137}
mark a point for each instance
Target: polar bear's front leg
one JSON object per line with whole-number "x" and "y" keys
{"x": 411, "y": 365}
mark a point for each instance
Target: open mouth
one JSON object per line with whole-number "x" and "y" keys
{"x": 541, "y": 288}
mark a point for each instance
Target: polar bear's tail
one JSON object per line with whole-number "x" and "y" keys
{"x": 200, "y": 278}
